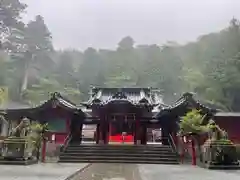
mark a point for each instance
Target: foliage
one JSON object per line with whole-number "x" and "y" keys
{"x": 192, "y": 122}
{"x": 38, "y": 133}
{"x": 38, "y": 136}
{"x": 10, "y": 11}
{"x": 33, "y": 69}
{"x": 218, "y": 149}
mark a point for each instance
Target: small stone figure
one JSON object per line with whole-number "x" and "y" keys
{"x": 218, "y": 149}
{"x": 18, "y": 145}
{"x": 22, "y": 129}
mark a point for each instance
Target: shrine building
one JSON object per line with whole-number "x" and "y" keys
{"x": 132, "y": 112}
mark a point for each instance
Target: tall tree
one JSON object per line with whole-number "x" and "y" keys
{"x": 126, "y": 43}
{"x": 65, "y": 71}
{"x": 90, "y": 70}
{"x": 10, "y": 11}
{"x": 37, "y": 48}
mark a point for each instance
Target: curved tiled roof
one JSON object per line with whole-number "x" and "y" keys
{"x": 58, "y": 100}
{"x": 133, "y": 96}
{"x": 186, "y": 102}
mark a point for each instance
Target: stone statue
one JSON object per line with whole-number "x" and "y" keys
{"x": 218, "y": 149}
{"x": 18, "y": 145}
{"x": 22, "y": 129}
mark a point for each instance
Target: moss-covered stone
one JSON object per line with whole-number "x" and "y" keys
{"x": 220, "y": 152}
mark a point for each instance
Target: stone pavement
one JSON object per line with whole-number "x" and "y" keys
{"x": 114, "y": 172}
{"x": 153, "y": 172}
{"x": 185, "y": 172}
{"x": 48, "y": 171}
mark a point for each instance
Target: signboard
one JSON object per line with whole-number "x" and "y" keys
{"x": 3, "y": 95}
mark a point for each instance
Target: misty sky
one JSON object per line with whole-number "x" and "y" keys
{"x": 102, "y": 23}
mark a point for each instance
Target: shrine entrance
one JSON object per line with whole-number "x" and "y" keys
{"x": 121, "y": 128}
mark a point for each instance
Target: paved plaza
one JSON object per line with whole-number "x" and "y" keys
{"x": 49, "y": 171}
{"x": 184, "y": 172}
{"x": 114, "y": 172}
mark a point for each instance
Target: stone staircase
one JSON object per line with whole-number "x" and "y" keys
{"x": 17, "y": 162}
{"x": 137, "y": 154}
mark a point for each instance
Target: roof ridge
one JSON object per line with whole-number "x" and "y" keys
{"x": 57, "y": 95}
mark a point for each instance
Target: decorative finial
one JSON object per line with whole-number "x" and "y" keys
{"x": 188, "y": 95}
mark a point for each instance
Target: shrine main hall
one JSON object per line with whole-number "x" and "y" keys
{"x": 114, "y": 112}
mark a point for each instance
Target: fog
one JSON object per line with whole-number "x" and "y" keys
{"x": 102, "y": 23}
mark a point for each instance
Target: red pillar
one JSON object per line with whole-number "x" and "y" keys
{"x": 44, "y": 147}
{"x": 182, "y": 149}
{"x": 175, "y": 139}
{"x": 194, "y": 161}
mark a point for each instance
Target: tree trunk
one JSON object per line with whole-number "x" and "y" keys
{"x": 25, "y": 79}
{"x": 29, "y": 59}
{"x": 38, "y": 154}
{"x": 198, "y": 144}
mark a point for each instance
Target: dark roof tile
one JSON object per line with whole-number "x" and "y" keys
{"x": 136, "y": 96}
{"x": 186, "y": 101}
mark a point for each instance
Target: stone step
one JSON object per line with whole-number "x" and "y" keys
{"x": 119, "y": 154}
{"x": 232, "y": 166}
{"x": 18, "y": 162}
{"x": 119, "y": 151}
{"x": 117, "y": 161}
{"x": 119, "y": 157}
{"x": 121, "y": 146}
{"x": 158, "y": 154}
{"x": 123, "y": 149}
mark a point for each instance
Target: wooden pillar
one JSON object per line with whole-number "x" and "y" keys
{"x": 175, "y": 139}
{"x": 80, "y": 133}
{"x": 165, "y": 135}
{"x": 136, "y": 131}
{"x": 68, "y": 125}
{"x": 106, "y": 130}
{"x": 181, "y": 140}
{"x": 194, "y": 159}
{"x": 101, "y": 132}
{"x": 105, "y": 133}
{"x": 143, "y": 134}
{"x": 109, "y": 130}
{"x": 44, "y": 147}
{"x": 97, "y": 133}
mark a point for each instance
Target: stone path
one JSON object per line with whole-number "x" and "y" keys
{"x": 101, "y": 171}
{"x": 184, "y": 172}
{"x": 113, "y": 172}
{"x": 152, "y": 172}
{"x": 48, "y": 171}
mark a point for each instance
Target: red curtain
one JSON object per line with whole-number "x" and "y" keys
{"x": 118, "y": 138}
